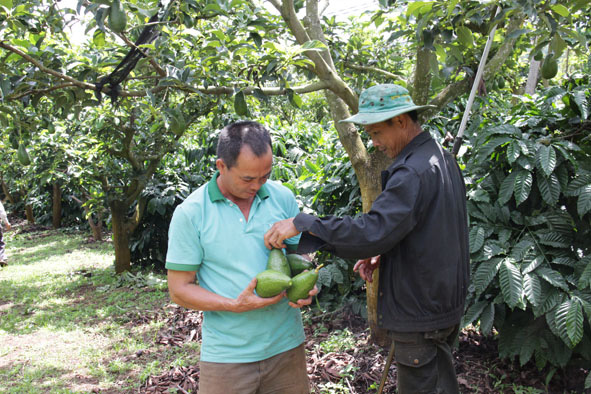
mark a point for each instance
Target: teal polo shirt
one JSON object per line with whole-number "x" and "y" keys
{"x": 210, "y": 235}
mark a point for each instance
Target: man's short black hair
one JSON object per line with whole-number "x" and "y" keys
{"x": 414, "y": 115}
{"x": 234, "y": 136}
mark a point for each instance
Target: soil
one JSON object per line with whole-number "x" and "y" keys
{"x": 359, "y": 369}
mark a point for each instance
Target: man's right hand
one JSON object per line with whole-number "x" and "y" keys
{"x": 248, "y": 300}
{"x": 366, "y": 267}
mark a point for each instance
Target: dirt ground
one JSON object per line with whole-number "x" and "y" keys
{"x": 478, "y": 368}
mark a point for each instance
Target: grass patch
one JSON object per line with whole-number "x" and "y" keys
{"x": 68, "y": 324}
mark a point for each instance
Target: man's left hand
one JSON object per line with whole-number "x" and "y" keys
{"x": 305, "y": 301}
{"x": 279, "y": 232}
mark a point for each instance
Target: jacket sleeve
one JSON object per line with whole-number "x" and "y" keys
{"x": 392, "y": 216}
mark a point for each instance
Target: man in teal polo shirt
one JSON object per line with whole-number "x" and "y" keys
{"x": 249, "y": 344}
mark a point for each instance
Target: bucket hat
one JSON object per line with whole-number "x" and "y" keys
{"x": 382, "y": 102}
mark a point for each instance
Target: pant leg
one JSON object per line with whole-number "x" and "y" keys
{"x": 2, "y": 244}
{"x": 228, "y": 378}
{"x": 424, "y": 362}
{"x": 285, "y": 373}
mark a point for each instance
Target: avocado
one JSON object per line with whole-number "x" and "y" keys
{"x": 271, "y": 282}
{"x": 549, "y": 67}
{"x": 117, "y": 17}
{"x": 298, "y": 264}
{"x": 22, "y": 155}
{"x": 278, "y": 262}
{"x": 302, "y": 284}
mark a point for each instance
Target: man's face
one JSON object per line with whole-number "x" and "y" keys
{"x": 245, "y": 178}
{"x": 388, "y": 138}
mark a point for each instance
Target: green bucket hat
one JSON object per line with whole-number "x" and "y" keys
{"x": 383, "y": 102}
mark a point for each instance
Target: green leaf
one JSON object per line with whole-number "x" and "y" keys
{"x": 578, "y": 184}
{"x": 507, "y": 188}
{"x": 476, "y": 239}
{"x": 554, "y": 239}
{"x": 552, "y": 277}
{"x": 546, "y": 159}
{"x": 511, "y": 283}
{"x": 98, "y": 38}
{"x": 489, "y": 147}
{"x": 465, "y": 36}
{"x": 419, "y": 7}
{"x": 473, "y": 312}
{"x": 487, "y": 318}
{"x": 294, "y": 98}
{"x": 560, "y": 10}
{"x": 532, "y": 287}
{"x": 558, "y": 322}
{"x": 580, "y": 98}
{"x": 574, "y": 321}
{"x": 513, "y": 151}
{"x": 313, "y": 44}
{"x": 523, "y": 182}
{"x": 484, "y": 274}
{"x": 240, "y": 104}
{"x": 584, "y": 201}
{"x": 585, "y": 278}
{"x": 6, "y": 3}
{"x": 520, "y": 250}
{"x": 549, "y": 188}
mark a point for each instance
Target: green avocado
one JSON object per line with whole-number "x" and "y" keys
{"x": 298, "y": 264}
{"x": 271, "y": 282}
{"x": 117, "y": 17}
{"x": 302, "y": 284}
{"x": 549, "y": 67}
{"x": 22, "y": 155}
{"x": 278, "y": 262}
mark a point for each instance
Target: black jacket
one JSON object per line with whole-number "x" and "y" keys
{"x": 418, "y": 225}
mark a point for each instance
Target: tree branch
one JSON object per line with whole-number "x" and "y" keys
{"x": 41, "y": 91}
{"x": 454, "y": 90}
{"x": 376, "y": 70}
{"x": 156, "y": 66}
{"x": 46, "y": 70}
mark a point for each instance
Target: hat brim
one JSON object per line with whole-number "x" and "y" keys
{"x": 365, "y": 118}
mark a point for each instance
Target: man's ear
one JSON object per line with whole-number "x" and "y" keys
{"x": 402, "y": 120}
{"x": 221, "y": 166}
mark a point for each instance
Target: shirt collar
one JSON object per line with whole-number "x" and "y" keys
{"x": 419, "y": 140}
{"x": 216, "y": 195}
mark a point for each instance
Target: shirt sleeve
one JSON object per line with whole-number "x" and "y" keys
{"x": 291, "y": 210}
{"x": 184, "y": 247}
{"x": 392, "y": 216}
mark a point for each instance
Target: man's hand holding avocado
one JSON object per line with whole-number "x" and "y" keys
{"x": 248, "y": 300}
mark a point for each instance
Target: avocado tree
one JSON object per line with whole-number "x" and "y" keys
{"x": 148, "y": 67}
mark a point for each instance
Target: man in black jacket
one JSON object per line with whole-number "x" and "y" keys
{"x": 416, "y": 232}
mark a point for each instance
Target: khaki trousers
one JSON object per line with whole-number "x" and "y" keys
{"x": 284, "y": 373}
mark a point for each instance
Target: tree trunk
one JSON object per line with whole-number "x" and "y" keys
{"x": 96, "y": 228}
{"x": 7, "y": 192}
{"x": 121, "y": 235}
{"x": 57, "y": 206}
{"x": 532, "y": 77}
{"x": 368, "y": 171}
{"x": 29, "y": 213}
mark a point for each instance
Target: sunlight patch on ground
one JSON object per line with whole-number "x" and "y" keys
{"x": 53, "y": 354}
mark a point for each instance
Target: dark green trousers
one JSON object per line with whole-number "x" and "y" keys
{"x": 424, "y": 361}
